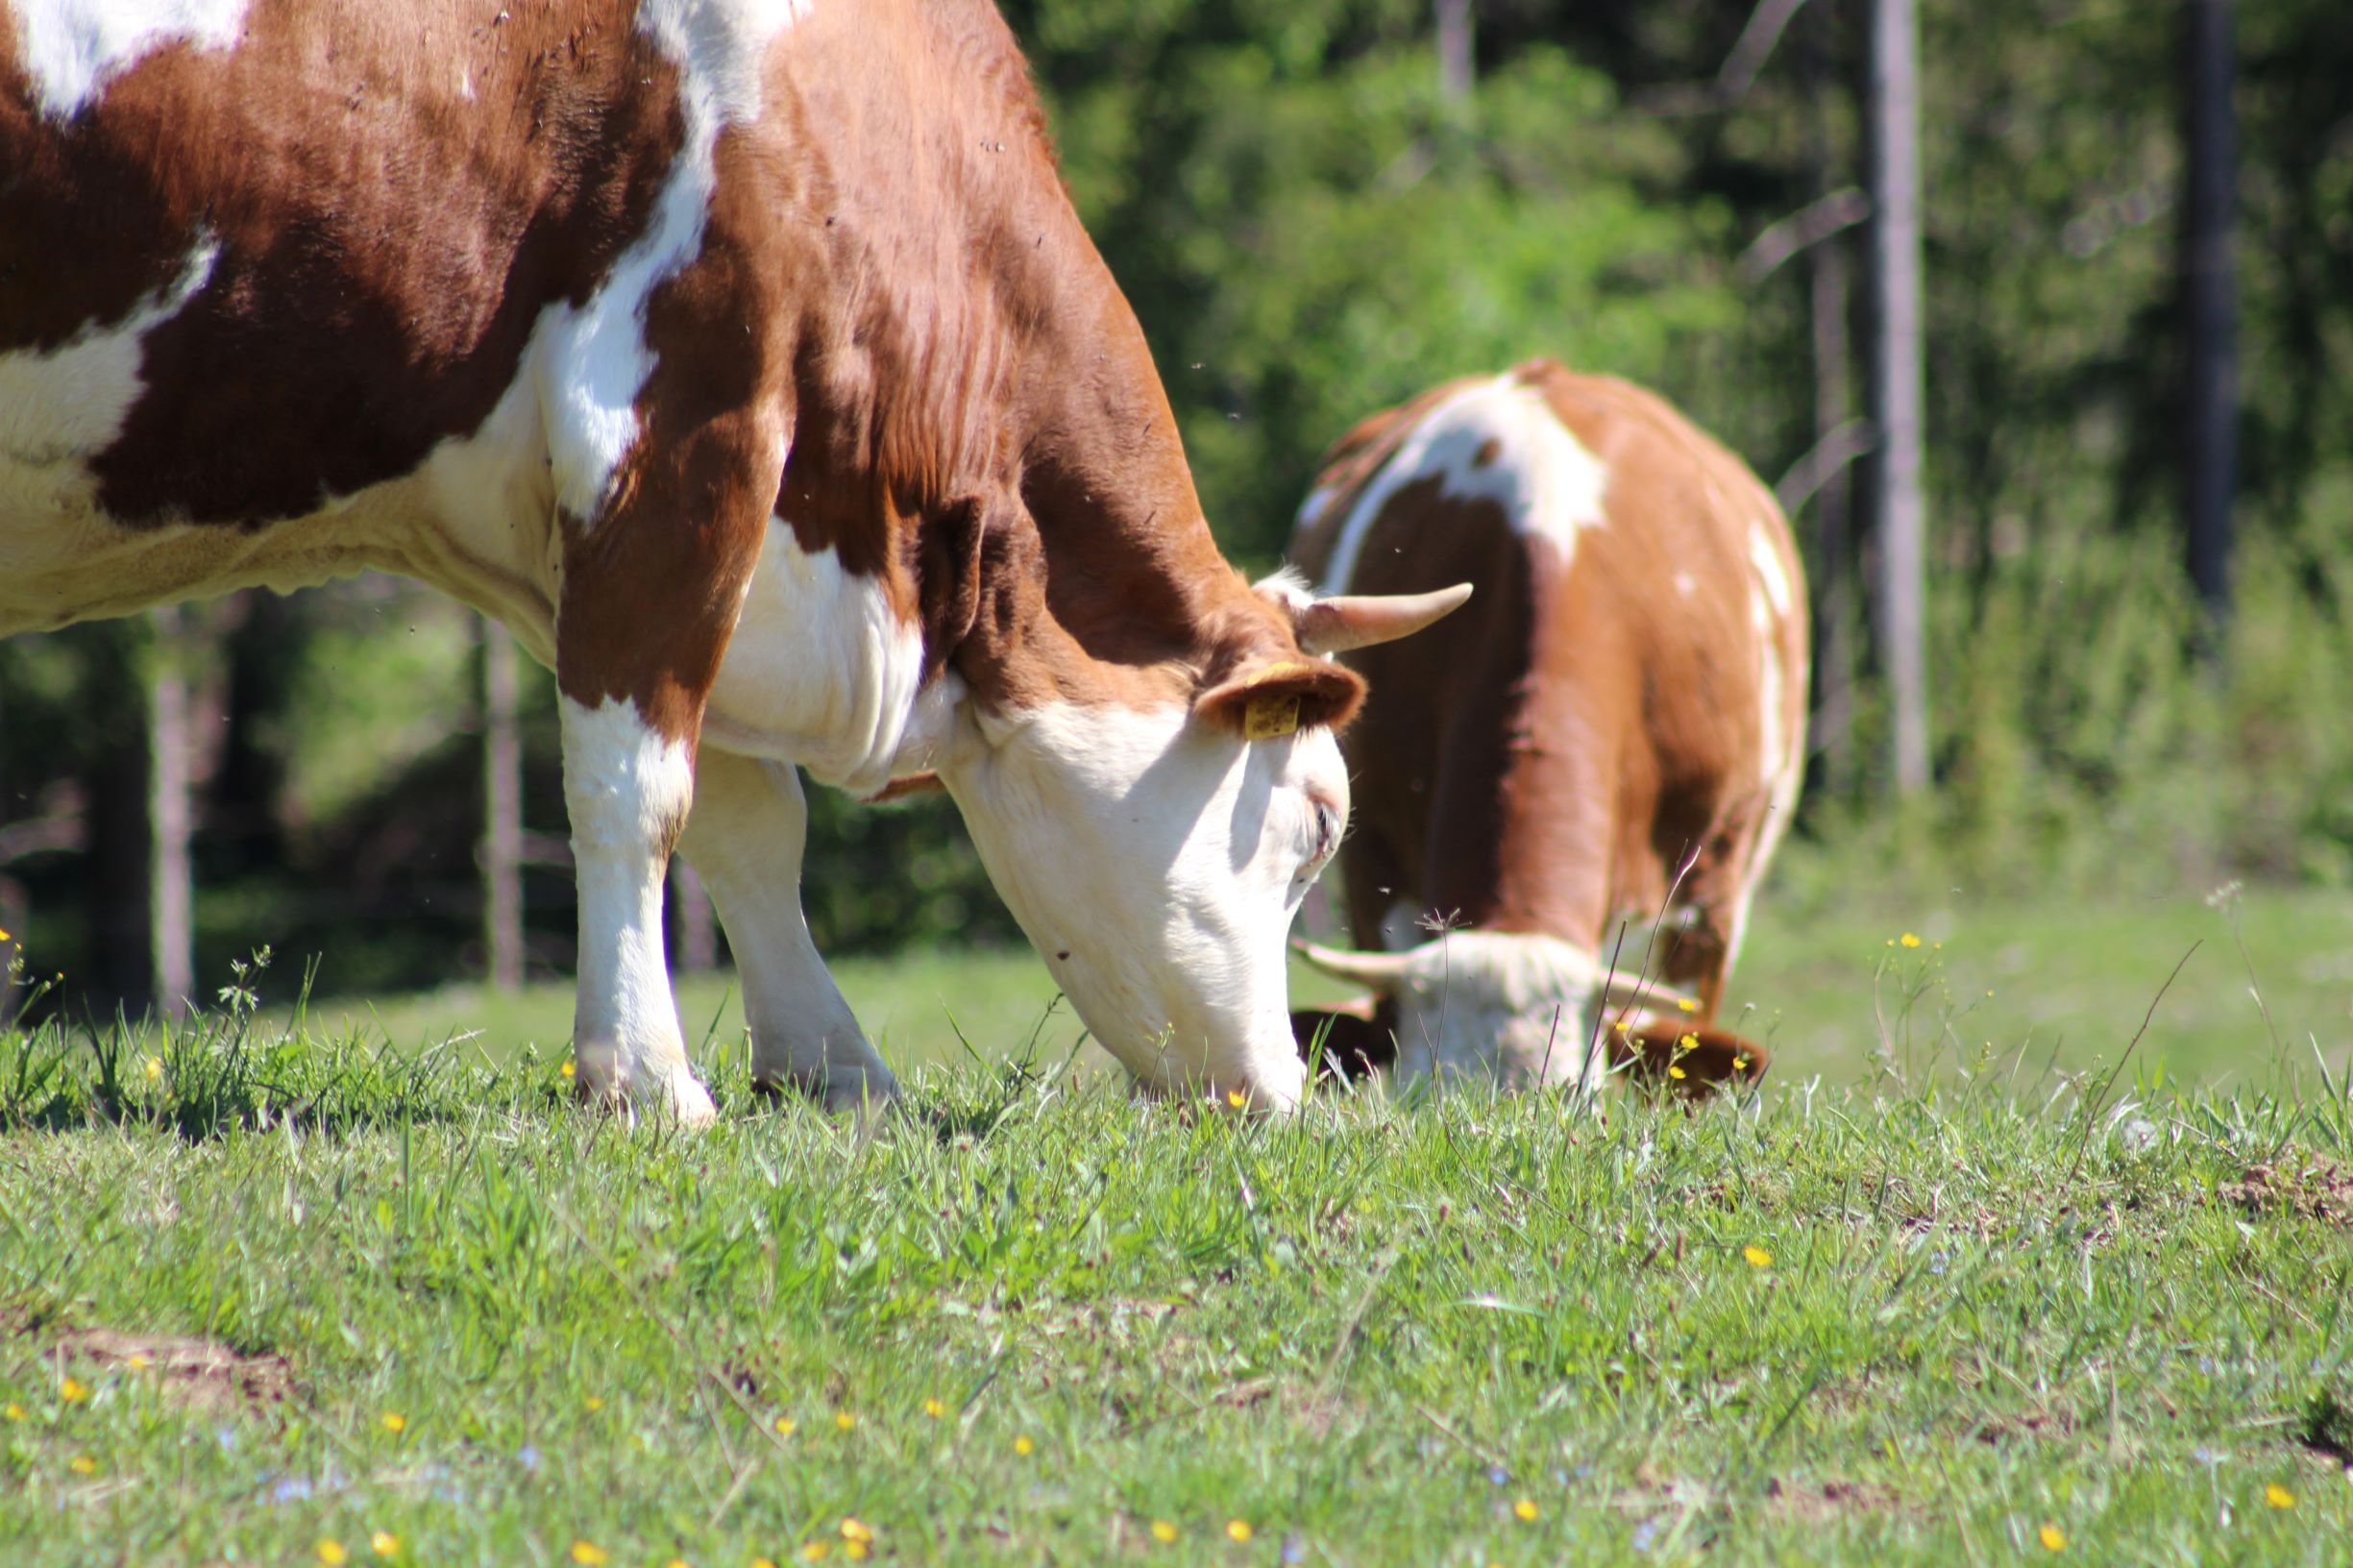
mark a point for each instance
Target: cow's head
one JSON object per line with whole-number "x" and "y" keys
{"x": 1155, "y": 842}
{"x": 1522, "y": 1010}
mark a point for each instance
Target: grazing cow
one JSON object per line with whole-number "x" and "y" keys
{"x": 1616, "y": 730}
{"x": 744, "y": 359}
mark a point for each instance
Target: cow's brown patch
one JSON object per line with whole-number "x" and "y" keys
{"x": 1690, "y": 1058}
{"x": 385, "y": 242}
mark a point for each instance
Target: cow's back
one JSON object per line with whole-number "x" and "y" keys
{"x": 1627, "y": 688}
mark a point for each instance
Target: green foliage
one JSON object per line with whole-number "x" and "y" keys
{"x": 1309, "y": 232}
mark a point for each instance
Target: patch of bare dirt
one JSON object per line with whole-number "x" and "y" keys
{"x": 1818, "y": 1501}
{"x": 195, "y": 1374}
{"x": 2318, "y": 1189}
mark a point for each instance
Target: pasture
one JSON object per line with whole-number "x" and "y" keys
{"x": 308, "y": 1294}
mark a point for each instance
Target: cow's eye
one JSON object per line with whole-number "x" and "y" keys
{"x": 1327, "y": 829}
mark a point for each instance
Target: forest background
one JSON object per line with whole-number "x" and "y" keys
{"x": 1320, "y": 207}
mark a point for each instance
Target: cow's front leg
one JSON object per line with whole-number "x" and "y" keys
{"x": 746, "y": 838}
{"x": 629, "y": 788}
{"x": 651, "y": 590}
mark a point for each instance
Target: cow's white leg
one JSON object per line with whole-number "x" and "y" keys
{"x": 744, "y": 838}
{"x": 627, "y": 789}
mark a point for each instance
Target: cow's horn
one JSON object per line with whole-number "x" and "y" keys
{"x": 1624, "y": 991}
{"x": 1381, "y": 972}
{"x": 1335, "y": 625}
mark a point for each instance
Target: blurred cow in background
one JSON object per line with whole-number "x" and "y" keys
{"x": 1615, "y": 728}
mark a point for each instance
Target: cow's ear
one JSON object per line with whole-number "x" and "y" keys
{"x": 1267, "y": 699}
{"x": 1690, "y": 1058}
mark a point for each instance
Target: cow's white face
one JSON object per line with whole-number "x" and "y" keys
{"x": 1517, "y": 1009}
{"x": 1157, "y": 861}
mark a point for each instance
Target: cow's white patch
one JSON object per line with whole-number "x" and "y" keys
{"x": 1767, "y": 563}
{"x": 1769, "y": 707}
{"x": 598, "y": 359}
{"x": 1496, "y": 440}
{"x": 822, "y": 671}
{"x": 65, "y": 405}
{"x": 70, "y": 48}
{"x": 1157, "y": 864}
{"x": 1498, "y": 1006}
{"x": 628, "y": 790}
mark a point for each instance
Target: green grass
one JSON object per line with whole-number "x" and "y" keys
{"x": 2069, "y": 986}
{"x": 1840, "y": 1326}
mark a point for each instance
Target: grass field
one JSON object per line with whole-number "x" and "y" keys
{"x": 2060, "y": 986}
{"x": 329, "y": 1296}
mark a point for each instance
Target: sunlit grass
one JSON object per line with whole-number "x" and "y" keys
{"x": 282, "y": 1299}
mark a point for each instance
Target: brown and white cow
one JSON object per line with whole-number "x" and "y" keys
{"x": 746, "y": 360}
{"x": 1615, "y": 730}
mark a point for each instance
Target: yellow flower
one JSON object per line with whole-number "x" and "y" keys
{"x": 1910, "y": 941}
{"x": 2276, "y": 1496}
{"x": 676, "y": 1562}
{"x": 395, "y": 1422}
{"x": 843, "y": 1420}
{"x": 139, "y": 1362}
{"x": 1687, "y": 1004}
{"x": 1758, "y": 1256}
{"x": 814, "y": 1551}
{"x": 1022, "y": 1446}
{"x": 384, "y": 1544}
{"x": 785, "y": 1426}
{"x": 594, "y": 1403}
{"x": 856, "y": 1550}
{"x": 1164, "y": 1531}
{"x": 1689, "y": 1043}
{"x": 1525, "y": 1511}
{"x": 73, "y": 1391}
{"x": 14, "y": 1410}
{"x": 82, "y": 1464}
{"x": 331, "y": 1551}
{"x": 4, "y": 936}
{"x": 567, "y": 1069}
{"x": 853, "y": 1530}
{"x": 1677, "y": 1072}
{"x": 1235, "y": 1098}
{"x": 934, "y": 1409}
{"x": 591, "y": 1556}
{"x": 1740, "y": 1063}
{"x": 1238, "y": 1529}
{"x": 153, "y": 1067}
{"x": 2053, "y": 1539}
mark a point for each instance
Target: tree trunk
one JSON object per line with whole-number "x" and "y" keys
{"x": 2211, "y": 439}
{"x": 172, "y": 884}
{"x": 1454, "y": 63}
{"x": 502, "y": 845}
{"x": 1830, "y": 279}
{"x": 1893, "y": 131}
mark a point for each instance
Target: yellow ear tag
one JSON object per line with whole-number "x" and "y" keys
{"x": 1270, "y": 718}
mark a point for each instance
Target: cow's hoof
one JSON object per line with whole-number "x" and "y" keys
{"x": 689, "y": 1103}
{"x": 849, "y": 1090}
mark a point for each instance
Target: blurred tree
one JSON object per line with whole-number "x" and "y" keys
{"x": 2211, "y": 438}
